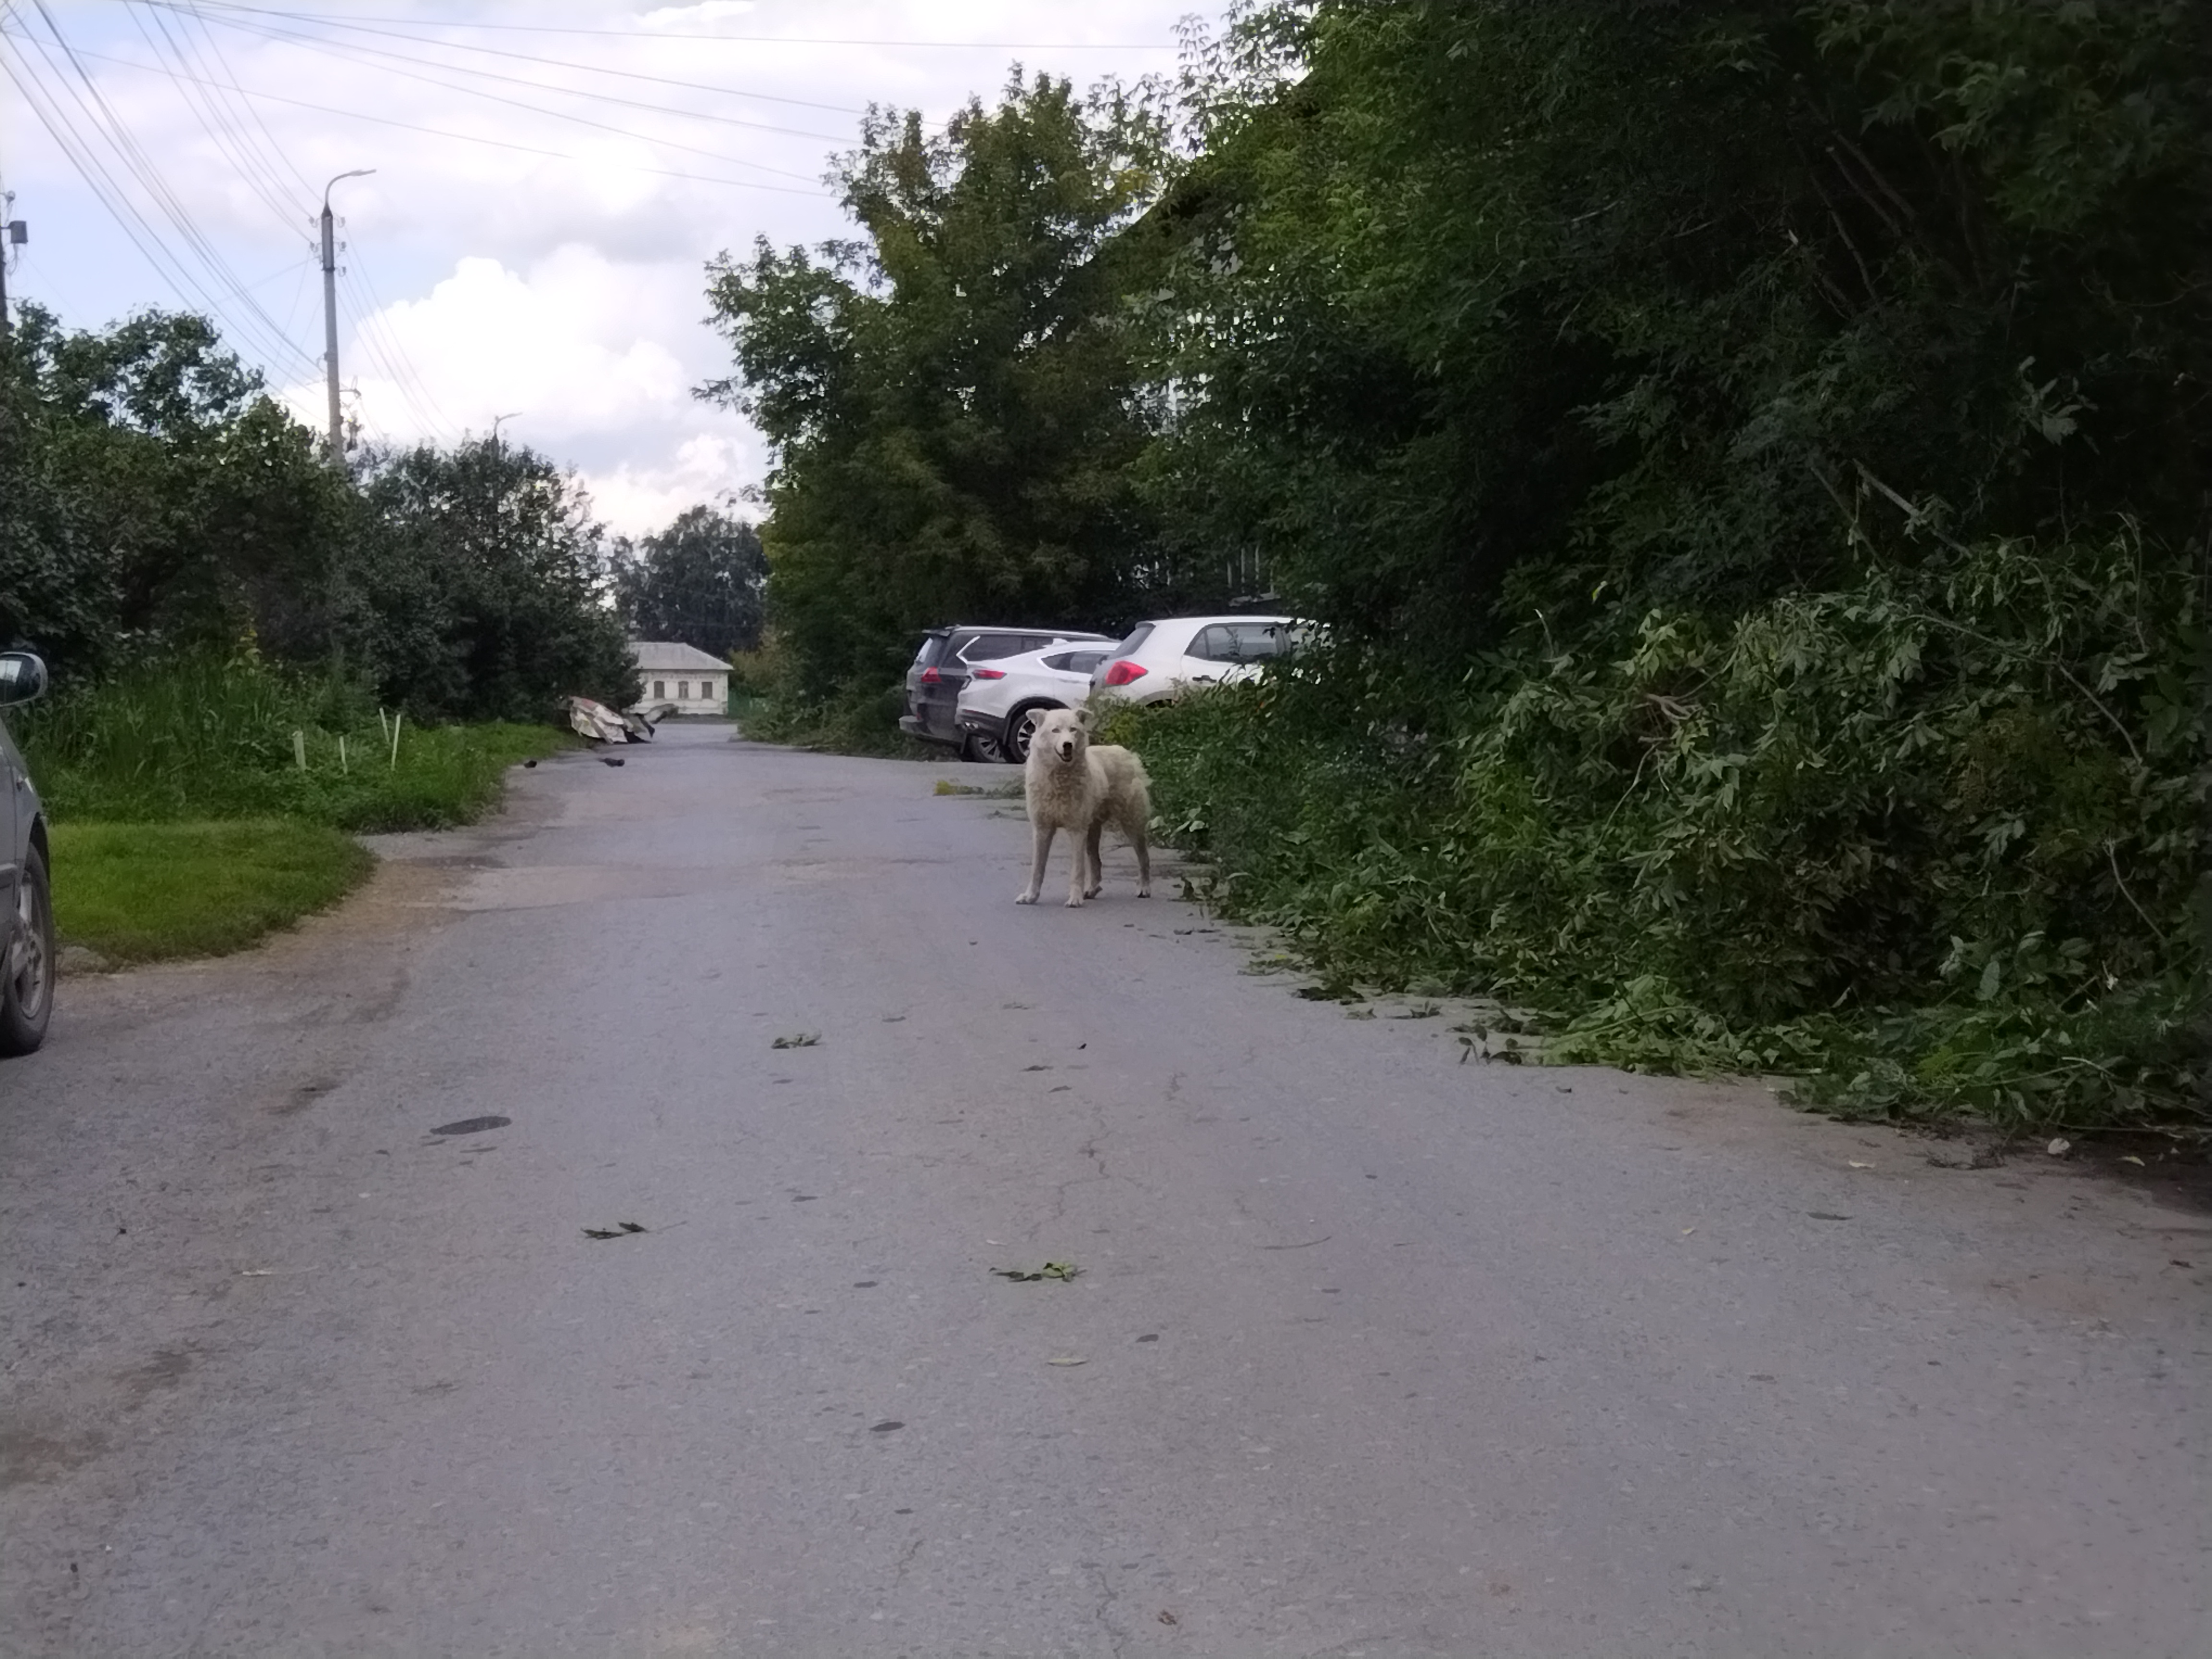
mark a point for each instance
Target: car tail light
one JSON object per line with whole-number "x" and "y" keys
{"x": 1123, "y": 672}
{"x": 986, "y": 673}
{"x": 930, "y": 676}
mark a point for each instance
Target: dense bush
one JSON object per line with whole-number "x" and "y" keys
{"x": 1751, "y": 460}
{"x": 205, "y": 736}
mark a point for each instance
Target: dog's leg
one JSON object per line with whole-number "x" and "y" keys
{"x": 1040, "y": 850}
{"x": 1078, "y": 874}
{"x": 1095, "y": 883}
{"x": 1143, "y": 856}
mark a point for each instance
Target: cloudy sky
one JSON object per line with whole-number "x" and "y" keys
{"x": 550, "y": 178}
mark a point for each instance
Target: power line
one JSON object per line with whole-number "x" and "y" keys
{"x": 103, "y": 119}
{"x": 526, "y": 57}
{"x": 733, "y": 40}
{"x": 340, "y": 49}
{"x": 476, "y": 138}
{"x": 210, "y": 117}
{"x": 111, "y": 195}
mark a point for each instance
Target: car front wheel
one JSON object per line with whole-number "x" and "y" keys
{"x": 27, "y": 975}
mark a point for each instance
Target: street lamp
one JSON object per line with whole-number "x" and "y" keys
{"x": 331, "y": 314}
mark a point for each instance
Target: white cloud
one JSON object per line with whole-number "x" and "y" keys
{"x": 566, "y": 285}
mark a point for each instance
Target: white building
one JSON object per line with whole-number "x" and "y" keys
{"x": 684, "y": 675}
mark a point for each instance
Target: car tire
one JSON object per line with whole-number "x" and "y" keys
{"x": 977, "y": 747}
{"x": 26, "y": 973}
{"x": 1020, "y": 725}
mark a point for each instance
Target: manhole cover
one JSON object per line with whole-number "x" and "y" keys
{"x": 472, "y": 1126}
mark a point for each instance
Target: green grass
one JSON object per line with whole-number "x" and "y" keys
{"x": 143, "y": 892}
{"x": 185, "y": 824}
{"x": 193, "y": 745}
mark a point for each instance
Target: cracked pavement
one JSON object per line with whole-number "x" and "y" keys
{"x": 1375, "y": 1353}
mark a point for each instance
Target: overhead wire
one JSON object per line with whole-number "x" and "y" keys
{"x": 258, "y": 328}
{"x": 375, "y": 334}
{"x": 340, "y": 49}
{"x": 734, "y": 40}
{"x": 478, "y": 138}
{"x": 419, "y": 39}
{"x": 250, "y": 167}
{"x": 106, "y": 188}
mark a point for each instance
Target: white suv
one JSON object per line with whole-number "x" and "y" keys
{"x": 1004, "y": 700}
{"x": 1163, "y": 659}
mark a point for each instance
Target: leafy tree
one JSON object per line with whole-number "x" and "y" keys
{"x": 1751, "y": 459}
{"x": 165, "y": 501}
{"x": 952, "y": 404}
{"x": 480, "y": 587}
{"x": 700, "y": 581}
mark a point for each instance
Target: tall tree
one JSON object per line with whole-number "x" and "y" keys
{"x": 480, "y": 585}
{"x": 952, "y": 404}
{"x": 700, "y": 581}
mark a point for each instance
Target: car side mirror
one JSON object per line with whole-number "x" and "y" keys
{"x": 23, "y": 677}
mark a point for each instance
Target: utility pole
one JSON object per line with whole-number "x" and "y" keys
{"x": 18, "y": 233}
{"x": 330, "y": 316}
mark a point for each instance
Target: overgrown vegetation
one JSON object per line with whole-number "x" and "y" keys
{"x": 1749, "y": 460}
{"x": 203, "y": 737}
{"x": 1751, "y": 463}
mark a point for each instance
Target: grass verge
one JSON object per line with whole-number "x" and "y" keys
{"x": 144, "y": 892}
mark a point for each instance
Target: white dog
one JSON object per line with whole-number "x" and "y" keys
{"x": 1075, "y": 785}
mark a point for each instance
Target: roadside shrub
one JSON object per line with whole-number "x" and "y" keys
{"x": 1929, "y": 840}
{"x": 210, "y": 737}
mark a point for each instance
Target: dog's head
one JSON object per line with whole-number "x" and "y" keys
{"x": 1062, "y": 736}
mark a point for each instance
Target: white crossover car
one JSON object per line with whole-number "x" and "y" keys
{"x": 1164, "y": 658}
{"x": 1004, "y": 700}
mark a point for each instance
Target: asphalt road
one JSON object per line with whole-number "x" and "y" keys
{"x": 1372, "y": 1352}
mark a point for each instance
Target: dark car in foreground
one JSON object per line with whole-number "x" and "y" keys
{"x": 27, "y": 905}
{"x": 940, "y": 668}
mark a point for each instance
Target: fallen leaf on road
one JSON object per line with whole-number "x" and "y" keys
{"x": 620, "y": 1230}
{"x": 797, "y": 1040}
{"x": 1066, "y": 1359}
{"x": 2130, "y": 1157}
{"x": 1853, "y": 1163}
{"x": 1050, "y": 1270}
{"x": 1826, "y": 1215}
{"x": 1686, "y": 1231}
{"x": 472, "y": 1126}
{"x": 946, "y": 786}
{"x": 1167, "y": 1618}
{"x": 257, "y": 1272}
{"x": 2059, "y": 1147}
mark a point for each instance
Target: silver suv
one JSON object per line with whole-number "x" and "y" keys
{"x": 27, "y": 904}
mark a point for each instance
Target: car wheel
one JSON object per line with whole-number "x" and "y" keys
{"x": 977, "y": 747}
{"x": 27, "y": 975}
{"x": 1021, "y": 726}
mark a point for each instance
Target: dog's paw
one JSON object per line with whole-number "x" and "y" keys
{"x": 1029, "y": 897}
{"x": 1144, "y": 889}
{"x": 1075, "y": 901}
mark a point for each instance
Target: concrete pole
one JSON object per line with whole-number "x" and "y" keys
{"x": 331, "y": 318}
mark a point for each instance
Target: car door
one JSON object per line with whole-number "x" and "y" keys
{"x": 13, "y": 830}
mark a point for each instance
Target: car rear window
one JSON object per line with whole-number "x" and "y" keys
{"x": 1214, "y": 643}
{"x": 988, "y": 647}
{"x": 1138, "y": 636}
{"x": 1258, "y": 640}
{"x": 931, "y": 643}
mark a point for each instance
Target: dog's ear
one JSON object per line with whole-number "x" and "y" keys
{"x": 1083, "y": 718}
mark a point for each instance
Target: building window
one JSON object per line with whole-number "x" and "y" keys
{"x": 682, "y": 691}
{"x": 661, "y": 688}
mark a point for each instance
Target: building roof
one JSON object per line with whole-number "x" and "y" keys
{"x": 672, "y": 657}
